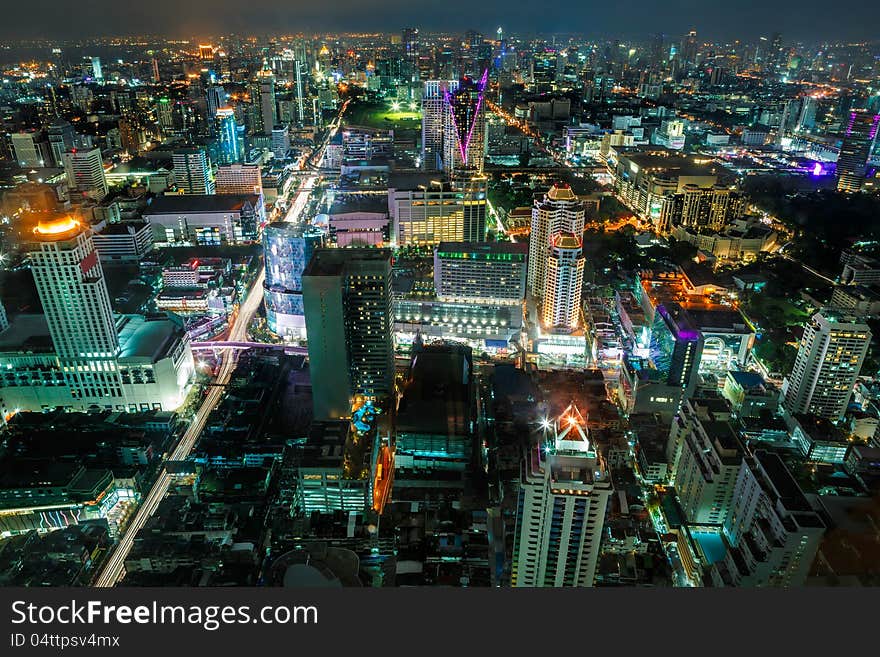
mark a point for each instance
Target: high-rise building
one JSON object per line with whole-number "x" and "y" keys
{"x": 70, "y": 282}
{"x": 689, "y": 48}
{"x": 215, "y": 98}
{"x": 280, "y": 141}
{"x": 410, "y": 43}
{"x": 62, "y": 138}
{"x": 433, "y": 117}
{"x": 96, "y": 360}
{"x": 703, "y": 208}
{"x": 350, "y": 326}
{"x": 750, "y": 517}
{"x": 239, "y": 179}
{"x": 561, "y": 308}
{"x": 830, "y": 357}
{"x": 480, "y": 272}
{"x": 97, "y": 71}
{"x": 85, "y": 172}
{"x": 30, "y": 151}
{"x": 427, "y": 212}
{"x": 226, "y": 130}
{"x": 676, "y": 347}
{"x": 192, "y": 173}
{"x": 464, "y": 125}
{"x": 544, "y": 71}
{"x": 264, "y": 111}
{"x": 560, "y": 211}
{"x": 287, "y": 250}
{"x": 861, "y": 129}
{"x": 560, "y": 516}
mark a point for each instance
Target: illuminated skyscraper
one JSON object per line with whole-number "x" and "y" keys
{"x": 215, "y": 97}
{"x": 350, "y": 326}
{"x": 227, "y": 136}
{"x": 433, "y": 116}
{"x": 560, "y": 211}
{"x": 464, "y": 125}
{"x": 97, "y": 71}
{"x": 830, "y": 357}
{"x": 565, "y": 278}
{"x": 97, "y": 360}
{"x": 62, "y": 138}
{"x": 85, "y": 172}
{"x": 264, "y": 112}
{"x": 861, "y": 129}
{"x": 560, "y": 515}
{"x": 410, "y": 44}
{"x": 70, "y": 282}
{"x": 192, "y": 173}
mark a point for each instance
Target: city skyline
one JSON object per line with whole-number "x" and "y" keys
{"x": 744, "y": 19}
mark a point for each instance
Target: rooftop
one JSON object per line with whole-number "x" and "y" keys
{"x": 436, "y": 398}
{"x": 146, "y": 337}
{"x": 191, "y": 203}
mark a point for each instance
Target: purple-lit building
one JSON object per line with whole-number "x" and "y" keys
{"x": 861, "y": 129}
{"x": 464, "y": 130}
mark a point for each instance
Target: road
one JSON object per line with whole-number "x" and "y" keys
{"x": 113, "y": 568}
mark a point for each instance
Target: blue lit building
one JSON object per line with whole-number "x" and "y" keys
{"x": 230, "y": 150}
{"x": 287, "y": 249}
{"x": 676, "y": 346}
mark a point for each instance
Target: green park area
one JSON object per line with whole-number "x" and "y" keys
{"x": 386, "y": 114}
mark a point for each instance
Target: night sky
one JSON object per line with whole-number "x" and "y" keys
{"x": 795, "y": 19}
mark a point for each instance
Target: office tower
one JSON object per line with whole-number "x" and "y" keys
{"x": 472, "y": 188}
{"x": 130, "y": 135}
{"x": 70, "y": 283}
{"x": 560, "y": 211}
{"x": 433, "y": 117}
{"x": 300, "y": 110}
{"x": 280, "y": 141}
{"x": 707, "y": 461}
{"x": 206, "y": 52}
{"x": 689, "y": 48}
{"x": 192, "y": 172}
{"x": 410, "y": 44}
{"x": 676, "y": 347}
{"x": 703, "y": 208}
{"x": 438, "y": 211}
{"x": 85, "y": 173}
{"x": 165, "y": 116}
{"x": 487, "y": 272}
{"x": 774, "y": 54}
{"x": 264, "y": 113}
{"x": 561, "y": 509}
{"x": 227, "y": 136}
{"x": 830, "y": 356}
{"x": 154, "y": 70}
{"x": 60, "y": 69}
{"x": 544, "y": 71}
{"x": 97, "y": 71}
{"x": 464, "y": 125}
{"x": 561, "y": 308}
{"x": 215, "y": 98}
{"x": 239, "y": 179}
{"x": 861, "y": 129}
{"x": 287, "y": 249}
{"x": 349, "y": 323}
{"x": 29, "y": 150}
{"x": 807, "y": 117}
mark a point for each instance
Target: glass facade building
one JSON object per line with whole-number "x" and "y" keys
{"x": 287, "y": 250}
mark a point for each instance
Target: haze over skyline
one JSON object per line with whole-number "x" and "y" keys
{"x": 744, "y": 19}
